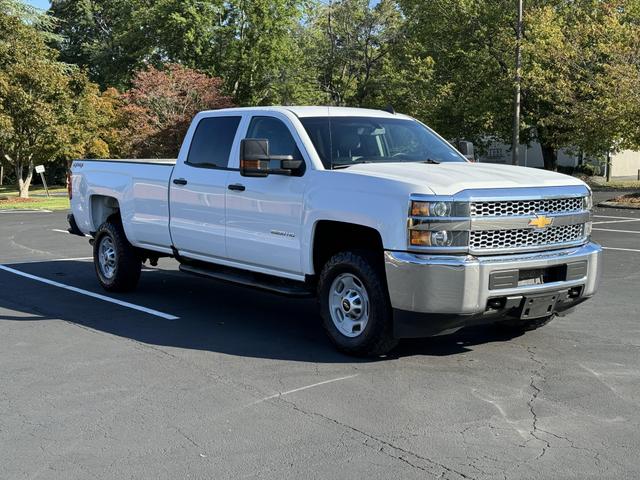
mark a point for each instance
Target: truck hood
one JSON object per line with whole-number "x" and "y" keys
{"x": 451, "y": 178}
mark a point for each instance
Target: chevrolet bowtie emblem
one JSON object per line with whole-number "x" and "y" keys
{"x": 540, "y": 222}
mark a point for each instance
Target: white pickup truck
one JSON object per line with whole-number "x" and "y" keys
{"x": 393, "y": 230}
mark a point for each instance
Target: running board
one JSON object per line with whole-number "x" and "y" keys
{"x": 261, "y": 281}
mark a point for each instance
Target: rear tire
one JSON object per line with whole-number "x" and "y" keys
{"x": 355, "y": 306}
{"x": 116, "y": 261}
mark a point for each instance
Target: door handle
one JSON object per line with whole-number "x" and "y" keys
{"x": 237, "y": 187}
{"x": 179, "y": 181}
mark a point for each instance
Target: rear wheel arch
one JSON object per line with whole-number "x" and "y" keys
{"x": 103, "y": 207}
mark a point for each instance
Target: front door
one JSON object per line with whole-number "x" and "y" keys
{"x": 198, "y": 187}
{"x": 264, "y": 219}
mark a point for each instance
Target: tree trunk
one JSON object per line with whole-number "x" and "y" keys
{"x": 550, "y": 157}
{"x": 24, "y": 183}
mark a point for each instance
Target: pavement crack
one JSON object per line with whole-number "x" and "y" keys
{"x": 385, "y": 447}
{"x": 537, "y": 376}
{"x": 593, "y": 453}
{"x": 187, "y": 437}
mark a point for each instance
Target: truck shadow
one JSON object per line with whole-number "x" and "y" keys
{"x": 213, "y": 316}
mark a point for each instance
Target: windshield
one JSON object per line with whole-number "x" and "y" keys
{"x": 344, "y": 141}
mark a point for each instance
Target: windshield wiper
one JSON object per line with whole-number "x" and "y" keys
{"x": 429, "y": 160}
{"x": 345, "y": 165}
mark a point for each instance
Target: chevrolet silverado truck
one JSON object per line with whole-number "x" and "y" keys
{"x": 393, "y": 230}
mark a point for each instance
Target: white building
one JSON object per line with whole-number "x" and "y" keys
{"x": 623, "y": 164}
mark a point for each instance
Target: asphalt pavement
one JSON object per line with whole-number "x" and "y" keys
{"x": 192, "y": 378}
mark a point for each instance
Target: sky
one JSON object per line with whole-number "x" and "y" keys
{"x": 44, "y": 4}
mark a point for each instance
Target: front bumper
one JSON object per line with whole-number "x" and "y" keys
{"x": 461, "y": 286}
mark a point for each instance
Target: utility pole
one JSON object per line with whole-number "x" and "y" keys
{"x": 515, "y": 141}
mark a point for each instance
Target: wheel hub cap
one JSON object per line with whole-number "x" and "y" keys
{"x": 349, "y": 304}
{"x": 107, "y": 257}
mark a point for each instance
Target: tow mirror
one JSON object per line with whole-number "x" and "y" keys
{"x": 288, "y": 163}
{"x": 254, "y": 157}
{"x": 466, "y": 149}
{"x": 255, "y": 160}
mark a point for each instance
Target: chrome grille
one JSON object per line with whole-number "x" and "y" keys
{"x": 523, "y": 238}
{"x": 526, "y": 207}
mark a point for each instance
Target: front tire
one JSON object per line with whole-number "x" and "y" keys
{"x": 355, "y": 306}
{"x": 116, "y": 261}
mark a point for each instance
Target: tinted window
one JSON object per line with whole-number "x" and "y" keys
{"x": 344, "y": 141}
{"x": 281, "y": 141}
{"x": 211, "y": 144}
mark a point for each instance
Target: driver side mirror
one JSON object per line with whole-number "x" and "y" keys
{"x": 255, "y": 160}
{"x": 254, "y": 157}
{"x": 466, "y": 149}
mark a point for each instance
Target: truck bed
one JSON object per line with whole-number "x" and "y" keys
{"x": 141, "y": 188}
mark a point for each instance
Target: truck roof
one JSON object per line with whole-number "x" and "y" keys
{"x": 319, "y": 111}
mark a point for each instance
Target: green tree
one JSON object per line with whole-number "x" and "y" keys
{"x": 48, "y": 110}
{"x": 258, "y": 47}
{"x": 580, "y": 70}
{"x": 582, "y": 77}
{"x": 262, "y": 59}
{"x": 354, "y": 42}
{"x": 30, "y": 15}
{"x": 107, "y": 38}
{"x": 466, "y": 50}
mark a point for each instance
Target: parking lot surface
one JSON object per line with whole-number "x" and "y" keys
{"x": 191, "y": 378}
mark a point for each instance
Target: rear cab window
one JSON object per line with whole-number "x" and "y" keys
{"x": 212, "y": 142}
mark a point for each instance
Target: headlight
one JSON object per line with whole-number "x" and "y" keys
{"x": 438, "y": 238}
{"x": 438, "y": 223}
{"x": 430, "y": 209}
{"x": 420, "y": 208}
{"x": 587, "y": 202}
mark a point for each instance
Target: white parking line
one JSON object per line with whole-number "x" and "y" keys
{"x": 618, "y": 221}
{"x": 607, "y": 216}
{"x": 66, "y": 259}
{"x": 64, "y": 231}
{"x": 282, "y": 394}
{"x": 26, "y": 211}
{"x": 46, "y": 260}
{"x": 618, "y": 231}
{"x": 621, "y": 249}
{"x": 133, "y": 306}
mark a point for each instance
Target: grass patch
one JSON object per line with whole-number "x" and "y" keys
{"x": 11, "y": 190}
{"x": 40, "y": 203}
{"x": 9, "y": 199}
{"x": 599, "y": 183}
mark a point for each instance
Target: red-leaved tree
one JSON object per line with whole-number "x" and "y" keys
{"x": 160, "y": 105}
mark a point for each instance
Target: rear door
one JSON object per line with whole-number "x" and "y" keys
{"x": 264, "y": 215}
{"x": 198, "y": 187}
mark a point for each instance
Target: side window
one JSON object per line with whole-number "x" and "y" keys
{"x": 281, "y": 141}
{"x": 212, "y": 141}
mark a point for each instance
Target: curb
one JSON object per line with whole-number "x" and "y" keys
{"x": 623, "y": 206}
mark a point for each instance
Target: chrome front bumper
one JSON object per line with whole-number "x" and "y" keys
{"x": 460, "y": 284}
